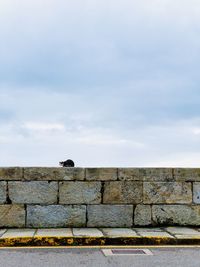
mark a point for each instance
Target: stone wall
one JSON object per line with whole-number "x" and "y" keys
{"x": 99, "y": 197}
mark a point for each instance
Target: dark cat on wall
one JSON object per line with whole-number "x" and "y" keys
{"x": 67, "y": 163}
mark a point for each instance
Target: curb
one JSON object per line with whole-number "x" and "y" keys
{"x": 97, "y": 241}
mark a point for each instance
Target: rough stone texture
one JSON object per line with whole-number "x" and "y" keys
{"x": 187, "y": 174}
{"x": 156, "y": 174}
{"x": 196, "y": 193}
{"x": 12, "y": 216}
{"x": 142, "y": 215}
{"x": 35, "y": 192}
{"x": 56, "y": 216}
{"x": 176, "y": 215}
{"x": 129, "y": 174}
{"x": 3, "y": 187}
{"x": 167, "y": 193}
{"x": 80, "y": 192}
{"x": 101, "y": 174}
{"x": 44, "y": 173}
{"x": 110, "y": 215}
{"x": 11, "y": 173}
{"x": 122, "y": 192}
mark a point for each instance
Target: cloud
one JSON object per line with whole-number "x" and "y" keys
{"x": 110, "y": 83}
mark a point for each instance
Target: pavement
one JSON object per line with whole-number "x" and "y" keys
{"x": 99, "y": 237}
{"x": 93, "y": 257}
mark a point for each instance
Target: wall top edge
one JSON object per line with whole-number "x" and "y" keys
{"x": 81, "y": 167}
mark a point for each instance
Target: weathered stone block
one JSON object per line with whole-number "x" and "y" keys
{"x": 156, "y": 174}
{"x": 56, "y": 174}
{"x": 56, "y": 216}
{"x": 187, "y": 174}
{"x": 196, "y": 192}
{"x": 70, "y": 174}
{"x": 3, "y": 186}
{"x": 11, "y": 173}
{"x": 101, "y": 174}
{"x": 142, "y": 215}
{"x": 36, "y": 192}
{"x": 167, "y": 192}
{"x": 80, "y": 192}
{"x": 12, "y": 216}
{"x": 176, "y": 215}
{"x": 129, "y": 174}
{"x": 110, "y": 215}
{"x": 122, "y": 192}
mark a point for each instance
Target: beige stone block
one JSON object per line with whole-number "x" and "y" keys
{"x": 156, "y": 174}
{"x": 33, "y": 192}
{"x": 101, "y": 174}
{"x": 167, "y": 193}
{"x": 80, "y": 192}
{"x": 12, "y": 216}
{"x": 3, "y": 193}
{"x": 187, "y": 174}
{"x": 129, "y": 174}
{"x": 176, "y": 215}
{"x": 56, "y": 174}
{"x": 122, "y": 192}
{"x": 110, "y": 216}
{"x": 142, "y": 215}
{"x": 11, "y": 173}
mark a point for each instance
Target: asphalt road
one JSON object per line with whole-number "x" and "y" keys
{"x": 163, "y": 257}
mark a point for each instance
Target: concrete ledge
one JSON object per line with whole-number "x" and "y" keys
{"x": 100, "y": 237}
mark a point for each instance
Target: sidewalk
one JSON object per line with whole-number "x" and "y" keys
{"x": 100, "y": 236}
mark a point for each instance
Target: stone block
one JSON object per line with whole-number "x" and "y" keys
{"x": 181, "y": 231}
{"x": 80, "y": 192}
{"x": 196, "y": 192}
{"x": 129, "y": 174}
{"x": 87, "y": 232}
{"x": 110, "y": 215}
{"x": 122, "y": 192}
{"x": 57, "y": 232}
{"x": 187, "y": 174}
{"x": 2, "y": 231}
{"x": 56, "y": 216}
{"x": 11, "y": 173}
{"x": 160, "y": 234}
{"x": 156, "y": 174}
{"x": 101, "y": 174}
{"x": 3, "y": 186}
{"x": 36, "y": 192}
{"x": 12, "y": 216}
{"x": 56, "y": 174}
{"x": 19, "y": 233}
{"x": 119, "y": 232}
{"x": 176, "y": 215}
{"x": 167, "y": 193}
{"x": 142, "y": 215}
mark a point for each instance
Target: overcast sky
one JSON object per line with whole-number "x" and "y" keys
{"x": 104, "y": 82}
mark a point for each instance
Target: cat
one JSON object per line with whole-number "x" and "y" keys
{"x": 67, "y": 163}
